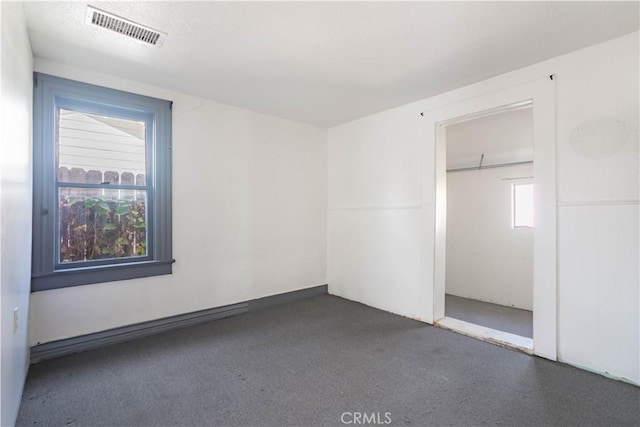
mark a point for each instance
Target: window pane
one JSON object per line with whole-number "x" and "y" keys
{"x": 94, "y": 149}
{"x": 101, "y": 224}
{"x": 523, "y": 205}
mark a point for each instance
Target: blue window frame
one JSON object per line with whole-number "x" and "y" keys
{"x": 102, "y": 185}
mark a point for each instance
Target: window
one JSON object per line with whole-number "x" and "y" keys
{"x": 102, "y": 185}
{"x": 522, "y": 205}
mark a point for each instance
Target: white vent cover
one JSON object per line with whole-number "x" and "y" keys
{"x": 124, "y": 26}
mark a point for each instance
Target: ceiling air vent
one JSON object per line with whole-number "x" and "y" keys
{"x": 124, "y": 26}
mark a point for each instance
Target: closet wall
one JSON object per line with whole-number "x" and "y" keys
{"x": 487, "y": 259}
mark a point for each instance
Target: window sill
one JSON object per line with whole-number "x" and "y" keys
{"x": 99, "y": 274}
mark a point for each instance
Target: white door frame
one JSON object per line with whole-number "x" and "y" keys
{"x": 541, "y": 93}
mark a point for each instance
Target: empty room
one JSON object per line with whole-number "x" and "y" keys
{"x": 319, "y": 213}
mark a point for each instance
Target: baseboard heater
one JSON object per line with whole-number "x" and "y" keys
{"x": 68, "y": 346}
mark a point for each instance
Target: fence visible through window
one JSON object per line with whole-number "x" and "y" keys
{"x": 101, "y": 181}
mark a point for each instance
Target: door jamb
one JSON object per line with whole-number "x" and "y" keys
{"x": 541, "y": 93}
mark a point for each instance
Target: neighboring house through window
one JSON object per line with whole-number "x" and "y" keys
{"x": 102, "y": 184}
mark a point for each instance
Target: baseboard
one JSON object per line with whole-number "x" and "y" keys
{"x": 95, "y": 340}
{"x": 272, "y": 300}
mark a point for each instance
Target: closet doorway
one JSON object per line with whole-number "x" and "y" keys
{"x": 539, "y": 95}
{"x": 489, "y": 225}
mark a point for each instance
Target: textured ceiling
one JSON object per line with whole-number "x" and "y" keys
{"x": 324, "y": 63}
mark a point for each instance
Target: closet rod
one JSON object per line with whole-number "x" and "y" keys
{"x": 475, "y": 168}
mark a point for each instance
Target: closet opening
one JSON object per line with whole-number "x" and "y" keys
{"x": 490, "y": 224}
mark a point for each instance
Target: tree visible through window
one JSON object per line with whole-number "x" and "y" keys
{"x": 102, "y": 189}
{"x": 106, "y": 218}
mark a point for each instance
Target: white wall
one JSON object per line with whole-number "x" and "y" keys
{"x": 249, "y": 218}
{"x": 15, "y": 205}
{"x": 487, "y": 259}
{"x": 375, "y": 205}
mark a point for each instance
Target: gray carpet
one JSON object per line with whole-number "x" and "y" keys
{"x": 308, "y": 362}
{"x": 506, "y": 319}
